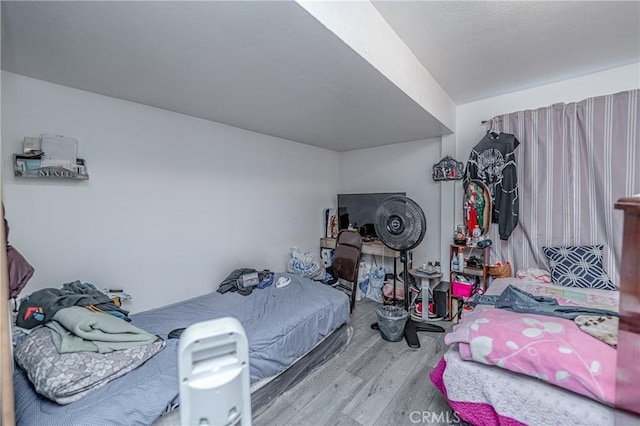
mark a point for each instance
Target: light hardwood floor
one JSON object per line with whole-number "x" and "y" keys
{"x": 372, "y": 382}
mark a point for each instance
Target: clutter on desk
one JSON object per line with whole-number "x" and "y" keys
{"x": 331, "y": 223}
{"x": 430, "y": 268}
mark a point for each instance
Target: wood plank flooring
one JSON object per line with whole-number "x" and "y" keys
{"x": 371, "y": 382}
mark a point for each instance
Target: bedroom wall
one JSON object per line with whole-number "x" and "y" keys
{"x": 469, "y": 129}
{"x": 402, "y": 167}
{"x": 173, "y": 203}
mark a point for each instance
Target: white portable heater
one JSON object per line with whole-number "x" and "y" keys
{"x": 213, "y": 363}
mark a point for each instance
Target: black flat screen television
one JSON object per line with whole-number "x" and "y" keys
{"x": 358, "y": 211}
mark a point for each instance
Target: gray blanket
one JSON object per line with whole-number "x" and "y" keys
{"x": 65, "y": 378}
{"x": 77, "y": 329}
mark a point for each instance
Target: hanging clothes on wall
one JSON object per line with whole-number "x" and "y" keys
{"x": 492, "y": 161}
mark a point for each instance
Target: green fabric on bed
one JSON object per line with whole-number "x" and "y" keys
{"x": 77, "y": 329}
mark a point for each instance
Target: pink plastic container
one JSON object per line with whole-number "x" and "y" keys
{"x": 461, "y": 289}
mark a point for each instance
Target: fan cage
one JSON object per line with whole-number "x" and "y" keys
{"x": 414, "y": 223}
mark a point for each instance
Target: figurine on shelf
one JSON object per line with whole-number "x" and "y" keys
{"x": 476, "y": 234}
{"x": 476, "y": 207}
{"x": 460, "y": 237}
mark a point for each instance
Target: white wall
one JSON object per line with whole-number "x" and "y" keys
{"x": 404, "y": 167}
{"x": 173, "y": 203}
{"x": 469, "y": 129}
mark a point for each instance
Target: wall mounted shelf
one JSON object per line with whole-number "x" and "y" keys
{"x": 29, "y": 167}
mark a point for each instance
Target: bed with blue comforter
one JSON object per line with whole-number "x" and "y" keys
{"x": 282, "y": 325}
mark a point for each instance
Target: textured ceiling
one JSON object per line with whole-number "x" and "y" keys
{"x": 273, "y": 68}
{"x": 480, "y": 49}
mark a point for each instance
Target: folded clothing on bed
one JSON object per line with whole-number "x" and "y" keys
{"x": 67, "y": 377}
{"x": 77, "y": 329}
{"x": 41, "y": 305}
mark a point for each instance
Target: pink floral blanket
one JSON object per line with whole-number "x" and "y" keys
{"x": 552, "y": 349}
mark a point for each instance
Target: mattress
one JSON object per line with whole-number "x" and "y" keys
{"x": 489, "y": 395}
{"x": 282, "y": 324}
{"x": 485, "y": 395}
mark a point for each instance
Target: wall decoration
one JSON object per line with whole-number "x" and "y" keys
{"x": 477, "y": 209}
{"x": 448, "y": 169}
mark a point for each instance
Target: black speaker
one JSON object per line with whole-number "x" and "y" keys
{"x": 441, "y": 299}
{"x": 484, "y": 243}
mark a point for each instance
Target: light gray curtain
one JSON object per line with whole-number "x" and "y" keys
{"x": 574, "y": 161}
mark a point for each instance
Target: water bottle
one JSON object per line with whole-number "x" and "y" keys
{"x": 460, "y": 259}
{"x": 454, "y": 263}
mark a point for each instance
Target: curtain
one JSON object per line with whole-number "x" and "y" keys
{"x": 574, "y": 161}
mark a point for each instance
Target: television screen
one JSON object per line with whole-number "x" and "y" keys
{"x": 358, "y": 211}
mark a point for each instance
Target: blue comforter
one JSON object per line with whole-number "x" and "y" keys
{"x": 282, "y": 324}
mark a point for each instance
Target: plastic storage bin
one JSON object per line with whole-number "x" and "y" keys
{"x": 461, "y": 289}
{"x": 391, "y": 321}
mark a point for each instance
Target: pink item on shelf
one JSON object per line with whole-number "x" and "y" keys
{"x": 461, "y": 289}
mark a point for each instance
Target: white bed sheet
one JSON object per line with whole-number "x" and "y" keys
{"x": 522, "y": 398}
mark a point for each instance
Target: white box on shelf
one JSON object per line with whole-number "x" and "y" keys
{"x": 59, "y": 148}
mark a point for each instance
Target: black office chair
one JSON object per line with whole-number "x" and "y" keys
{"x": 346, "y": 260}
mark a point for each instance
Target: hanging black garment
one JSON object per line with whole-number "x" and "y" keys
{"x": 492, "y": 161}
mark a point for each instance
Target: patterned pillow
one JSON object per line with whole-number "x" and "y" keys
{"x": 578, "y": 266}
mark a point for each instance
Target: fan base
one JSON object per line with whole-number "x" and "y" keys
{"x": 411, "y": 330}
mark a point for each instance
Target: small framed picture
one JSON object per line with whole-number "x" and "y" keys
{"x": 448, "y": 169}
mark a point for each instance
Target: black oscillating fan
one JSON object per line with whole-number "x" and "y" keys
{"x": 401, "y": 225}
